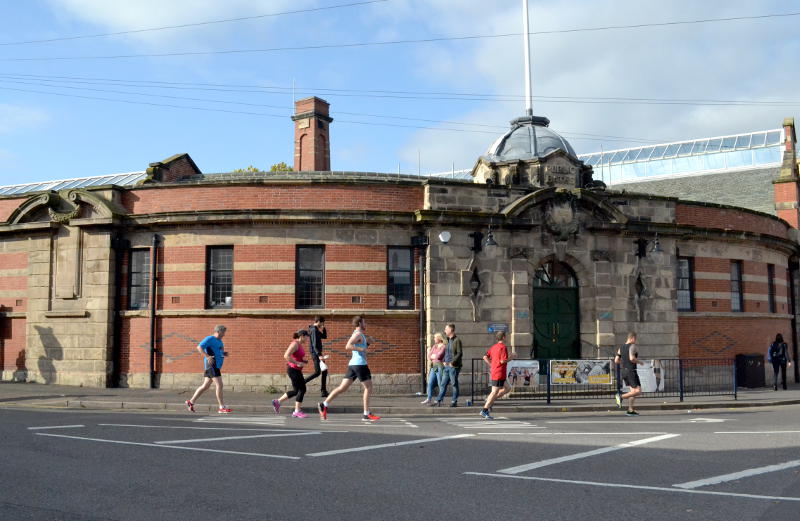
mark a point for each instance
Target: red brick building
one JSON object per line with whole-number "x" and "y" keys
{"x": 569, "y": 270}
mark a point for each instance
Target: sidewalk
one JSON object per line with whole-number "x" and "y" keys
{"x": 60, "y": 396}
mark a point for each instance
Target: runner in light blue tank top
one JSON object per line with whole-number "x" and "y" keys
{"x": 359, "y": 357}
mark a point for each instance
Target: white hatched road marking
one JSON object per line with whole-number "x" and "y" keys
{"x": 551, "y": 433}
{"x": 498, "y": 423}
{"x": 544, "y": 463}
{"x": 738, "y": 475}
{"x": 176, "y": 447}
{"x": 638, "y": 487}
{"x": 253, "y": 429}
{"x": 54, "y": 427}
{"x": 272, "y": 435}
{"x": 637, "y": 420}
{"x": 388, "y": 445}
{"x": 286, "y": 420}
{"x": 757, "y": 432}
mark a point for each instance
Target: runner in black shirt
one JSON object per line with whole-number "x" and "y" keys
{"x": 628, "y": 358}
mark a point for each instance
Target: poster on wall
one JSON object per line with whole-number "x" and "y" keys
{"x": 520, "y": 373}
{"x": 574, "y": 372}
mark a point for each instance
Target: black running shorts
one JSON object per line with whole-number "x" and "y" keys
{"x": 358, "y": 371}
{"x": 631, "y": 378}
{"x": 498, "y": 383}
{"x": 212, "y": 372}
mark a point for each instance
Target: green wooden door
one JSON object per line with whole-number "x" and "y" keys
{"x": 555, "y": 313}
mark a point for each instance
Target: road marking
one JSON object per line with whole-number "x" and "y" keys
{"x": 638, "y": 487}
{"x": 387, "y": 445}
{"x": 168, "y": 446}
{"x": 629, "y": 421}
{"x": 202, "y": 440}
{"x": 54, "y": 427}
{"x": 197, "y": 428}
{"x": 550, "y": 433}
{"x": 757, "y": 432}
{"x": 544, "y": 463}
{"x": 738, "y": 475}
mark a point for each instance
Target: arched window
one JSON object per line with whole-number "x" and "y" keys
{"x": 554, "y": 274}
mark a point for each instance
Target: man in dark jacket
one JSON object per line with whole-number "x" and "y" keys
{"x": 317, "y": 333}
{"x": 452, "y": 365}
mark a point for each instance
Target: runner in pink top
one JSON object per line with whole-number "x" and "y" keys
{"x": 295, "y": 361}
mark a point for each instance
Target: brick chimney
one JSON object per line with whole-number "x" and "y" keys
{"x": 787, "y": 187}
{"x": 312, "y": 149}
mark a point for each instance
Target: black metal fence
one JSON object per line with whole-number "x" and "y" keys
{"x": 673, "y": 377}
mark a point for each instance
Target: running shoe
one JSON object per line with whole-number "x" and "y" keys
{"x": 299, "y": 414}
{"x": 224, "y": 410}
{"x": 323, "y": 411}
{"x": 631, "y": 413}
{"x": 370, "y": 417}
{"x": 189, "y": 405}
{"x": 618, "y": 399}
{"x": 276, "y": 406}
{"x": 425, "y": 402}
{"x": 486, "y": 416}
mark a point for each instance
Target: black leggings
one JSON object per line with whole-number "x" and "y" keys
{"x": 298, "y": 384}
{"x": 779, "y": 366}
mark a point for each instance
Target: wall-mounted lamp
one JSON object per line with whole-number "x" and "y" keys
{"x": 477, "y": 240}
{"x": 444, "y": 237}
{"x": 641, "y": 247}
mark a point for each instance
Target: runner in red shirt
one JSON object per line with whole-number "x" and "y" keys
{"x": 497, "y": 358}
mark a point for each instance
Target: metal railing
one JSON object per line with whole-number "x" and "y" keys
{"x": 673, "y": 377}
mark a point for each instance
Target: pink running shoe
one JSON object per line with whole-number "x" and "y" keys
{"x": 276, "y": 406}
{"x": 189, "y": 405}
{"x": 299, "y": 414}
{"x": 224, "y": 410}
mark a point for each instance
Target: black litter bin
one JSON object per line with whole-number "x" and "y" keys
{"x": 750, "y": 370}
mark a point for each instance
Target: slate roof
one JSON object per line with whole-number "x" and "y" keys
{"x": 747, "y": 188}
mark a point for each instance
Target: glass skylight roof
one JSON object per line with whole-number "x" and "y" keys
{"x": 752, "y": 149}
{"x": 128, "y": 179}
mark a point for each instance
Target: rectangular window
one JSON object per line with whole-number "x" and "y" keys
{"x": 139, "y": 279}
{"x": 219, "y": 277}
{"x": 400, "y": 280}
{"x": 309, "y": 288}
{"x": 737, "y": 295}
{"x": 771, "y": 287}
{"x": 685, "y": 284}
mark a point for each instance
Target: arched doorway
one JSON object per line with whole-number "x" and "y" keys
{"x": 555, "y": 312}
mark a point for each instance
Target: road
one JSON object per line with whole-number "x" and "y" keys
{"x": 708, "y": 465}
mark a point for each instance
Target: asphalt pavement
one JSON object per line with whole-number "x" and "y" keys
{"x": 69, "y": 464}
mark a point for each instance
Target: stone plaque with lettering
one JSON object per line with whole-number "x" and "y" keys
{"x": 560, "y": 173}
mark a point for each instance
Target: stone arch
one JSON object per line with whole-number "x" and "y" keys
{"x": 62, "y": 206}
{"x": 587, "y": 198}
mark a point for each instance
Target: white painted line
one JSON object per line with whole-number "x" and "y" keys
{"x": 631, "y": 420}
{"x": 202, "y": 440}
{"x": 738, "y": 475}
{"x": 54, "y": 427}
{"x": 253, "y": 429}
{"x": 168, "y": 446}
{"x": 757, "y": 432}
{"x": 387, "y": 445}
{"x": 637, "y": 487}
{"x": 544, "y": 463}
{"x": 551, "y": 433}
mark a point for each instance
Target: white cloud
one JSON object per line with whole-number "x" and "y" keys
{"x": 729, "y": 60}
{"x": 15, "y": 118}
{"x": 144, "y": 14}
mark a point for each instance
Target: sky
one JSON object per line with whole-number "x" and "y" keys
{"x": 95, "y": 87}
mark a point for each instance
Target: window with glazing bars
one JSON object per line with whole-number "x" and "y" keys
{"x": 737, "y": 295}
{"x": 139, "y": 279}
{"x": 685, "y": 284}
{"x": 400, "y": 280}
{"x": 309, "y": 288}
{"x": 219, "y": 277}
{"x": 771, "y": 287}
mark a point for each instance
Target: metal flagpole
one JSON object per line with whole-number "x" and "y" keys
{"x": 528, "y": 94}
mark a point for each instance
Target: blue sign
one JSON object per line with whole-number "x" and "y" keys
{"x": 494, "y": 328}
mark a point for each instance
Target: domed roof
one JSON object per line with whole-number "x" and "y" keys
{"x": 528, "y": 138}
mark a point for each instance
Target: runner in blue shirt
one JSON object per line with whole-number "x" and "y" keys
{"x": 211, "y": 347}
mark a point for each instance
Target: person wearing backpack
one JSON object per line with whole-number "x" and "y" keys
{"x": 778, "y": 354}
